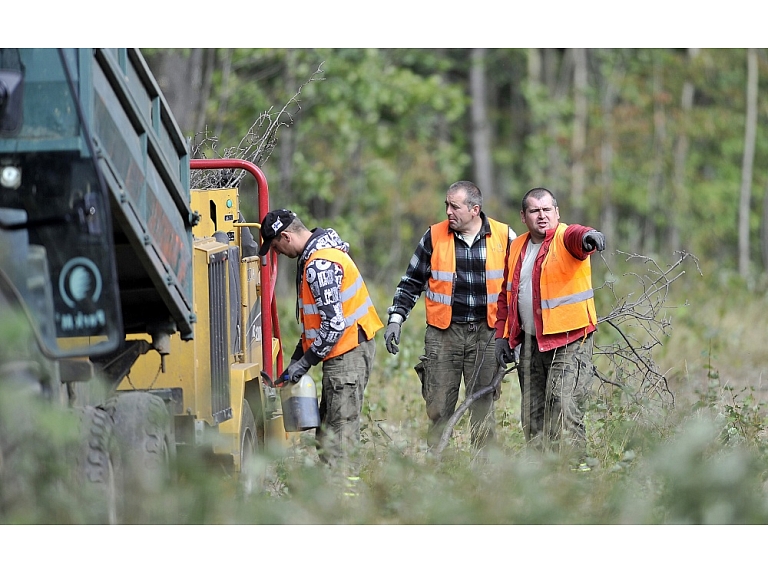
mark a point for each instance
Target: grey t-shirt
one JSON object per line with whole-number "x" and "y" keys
{"x": 525, "y": 293}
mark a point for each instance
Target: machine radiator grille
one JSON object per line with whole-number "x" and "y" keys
{"x": 218, "y": 300}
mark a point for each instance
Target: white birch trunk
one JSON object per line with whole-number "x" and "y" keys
{"x": 750, "y": 134}
{"x": 481, "y": 127}
{"x": 579, "y": 136}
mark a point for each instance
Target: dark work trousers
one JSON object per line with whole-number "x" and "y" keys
{"x": 344, "y": 380}
{"x": 554, "y": 387}
{"x": 463, "y": 350}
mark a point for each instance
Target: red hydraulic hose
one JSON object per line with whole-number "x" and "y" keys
{"x": 268, "y": 273}
{"x": 275, "y": 323}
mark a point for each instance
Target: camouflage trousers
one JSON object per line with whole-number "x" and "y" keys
{"x": 463, "y": 350}
{"x": 554, "y": 387}
{"x": 345, "y": 378}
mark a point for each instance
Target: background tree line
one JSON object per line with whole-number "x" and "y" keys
{"x": 659, "y": 148}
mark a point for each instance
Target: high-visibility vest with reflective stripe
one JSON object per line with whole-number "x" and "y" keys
{"x": 567, "y": 299}
{"x": 355, "y": 302}
{"x": 439, "y": 293}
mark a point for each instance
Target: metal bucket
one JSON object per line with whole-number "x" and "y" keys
{"x": 300, "y": 408}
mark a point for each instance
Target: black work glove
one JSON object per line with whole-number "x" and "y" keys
{"x": 504, "y": 353}
{"x": 392, "y": 337}
{"x": 593, "y": 240}
{"x": 293, "y": 372}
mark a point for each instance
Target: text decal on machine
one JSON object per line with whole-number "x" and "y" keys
{"x": 80, "y": 287}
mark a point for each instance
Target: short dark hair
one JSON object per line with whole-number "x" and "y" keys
{"x": 296, "y": 226}
{"x": 537, "y": 193}
{"x": 474, "y": 195}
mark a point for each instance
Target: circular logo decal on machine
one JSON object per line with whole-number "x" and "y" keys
{"x": 80, "y": 279}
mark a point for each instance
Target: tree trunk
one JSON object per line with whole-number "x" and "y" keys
{"x": 481, "y": 126}
{"x": 205, "y": 93}
{"x": 764, "y": 234}
{"x": 226, "y": 71}
{"x": 534, "y": 76}
{"x": 557, "y": 78}
{"x": 680, "y": 197}
{"x": 534, "y": 65}
{"x": 180, "y": 78}
{"x": 656, "y": 177}
{"x": 750, "y": 134}
{"x": 286, "y": 142}
{"x": 579, "y": 136}
{"x": 609, "y": 217}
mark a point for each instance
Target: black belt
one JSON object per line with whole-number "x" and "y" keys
{"x": 473, "y": 325}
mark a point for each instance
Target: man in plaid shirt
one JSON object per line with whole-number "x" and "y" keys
{"x": 459, "y": 265}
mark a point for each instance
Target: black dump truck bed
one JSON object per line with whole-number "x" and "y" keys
{"x": 61, "y": 109}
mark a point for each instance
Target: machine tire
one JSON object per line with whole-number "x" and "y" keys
{"x": 98, "y": 461}
{"x": 251, "y": 477}
{"x": 143, "y": 434}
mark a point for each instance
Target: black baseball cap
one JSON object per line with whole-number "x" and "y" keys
{"x": 272, "y": 224}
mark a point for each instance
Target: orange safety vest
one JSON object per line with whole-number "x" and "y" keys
{"x": 439, "y": 293}
{"x": 355, "y": 302}
{"x": 567, "y": 299}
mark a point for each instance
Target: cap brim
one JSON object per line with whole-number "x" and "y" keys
{"x": 265, "y": 248}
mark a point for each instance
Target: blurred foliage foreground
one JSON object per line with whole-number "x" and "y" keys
{"x": 700, "y": 459}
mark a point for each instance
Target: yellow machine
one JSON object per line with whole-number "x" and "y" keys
{"x": 212, "y": 384}
{"x": 154, "y": 319}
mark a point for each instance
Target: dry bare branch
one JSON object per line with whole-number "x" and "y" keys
{"x": 454, "y": 419}
{"x": 640, "y": 320}
{"x": 255, "y": 147}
